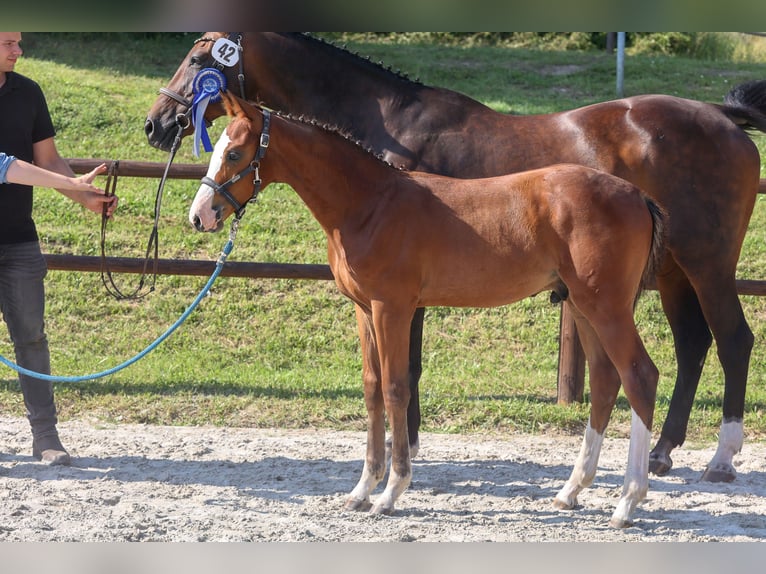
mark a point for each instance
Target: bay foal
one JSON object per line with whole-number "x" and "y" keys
{"x": 399, "y": 240}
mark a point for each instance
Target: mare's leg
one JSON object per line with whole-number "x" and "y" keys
{"x": 415, "y": 370}
{"x": 692, "y": 339}
{"x": 734, "y": 341}
{"x": 392, "y": 327}
{"x": 705, "y": 238}
{"x": 710, "y": 269}
{"x": 375, "y": 459}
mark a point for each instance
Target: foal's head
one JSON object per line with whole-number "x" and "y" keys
{"x": 232, "y": 175}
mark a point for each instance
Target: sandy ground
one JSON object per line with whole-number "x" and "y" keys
{"x": 148, "y": 483}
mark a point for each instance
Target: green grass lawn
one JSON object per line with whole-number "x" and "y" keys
{"x": 285, "y": 352}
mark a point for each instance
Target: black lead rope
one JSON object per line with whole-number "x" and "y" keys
{"x": 143, "y": 288}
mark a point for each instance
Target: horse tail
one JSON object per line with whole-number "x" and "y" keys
{"x": 745, "y": 105}
{"x": 657, "y": 247}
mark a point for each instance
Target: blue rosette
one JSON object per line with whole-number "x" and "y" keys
{"x": 207, "y": 87}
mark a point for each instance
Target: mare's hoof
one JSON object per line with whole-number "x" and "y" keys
{"x": 660, "y": 463}
{"x": 719, "y": 473}
{"x": 357, "y": 505}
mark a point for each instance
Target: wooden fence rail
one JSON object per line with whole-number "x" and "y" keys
{"x": 571, "y": 372}
{"x": 190, "y": 267}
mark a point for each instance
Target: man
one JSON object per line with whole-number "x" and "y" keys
{"x": 26, "y": 132}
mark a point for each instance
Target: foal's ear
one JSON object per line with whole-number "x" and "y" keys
{"x": 230, "y": 103}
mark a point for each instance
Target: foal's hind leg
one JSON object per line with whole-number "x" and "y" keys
{"x": 621, "y": 353}
{"x": 639, "y": 376}
{"x": 604, "y": 384}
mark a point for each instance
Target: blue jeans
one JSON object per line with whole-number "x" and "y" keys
{"x": 22, "y": 302}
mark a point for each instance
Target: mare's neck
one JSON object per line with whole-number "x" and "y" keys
{"x": 306, "y": 76}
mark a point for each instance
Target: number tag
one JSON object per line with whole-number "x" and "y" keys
{"x": 225, "y": 52}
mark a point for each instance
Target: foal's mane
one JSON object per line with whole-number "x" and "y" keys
{"x": 334, "y": 131}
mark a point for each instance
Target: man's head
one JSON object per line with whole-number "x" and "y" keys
{"x": 10, "y": 50}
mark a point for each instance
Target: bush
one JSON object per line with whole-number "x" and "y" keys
{"x": 640, "y": 42}
{"x": 667, "y": 43}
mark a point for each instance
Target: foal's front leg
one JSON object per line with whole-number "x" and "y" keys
{"x": 392, "y": 329}
{"x": 375, "y": 460}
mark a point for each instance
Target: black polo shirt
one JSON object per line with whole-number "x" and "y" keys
{"x": 24, "y": 121}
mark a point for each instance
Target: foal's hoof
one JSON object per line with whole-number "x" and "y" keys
{"x": 382, "y": 509}
{"x": 357, "y": 505}
{"x": 563, "y": 504}
{"x": 660, "y": 463}
{"x": 620, "y": 523}
{"x": 719, "y": 473}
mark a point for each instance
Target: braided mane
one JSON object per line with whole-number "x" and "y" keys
{"x": 335, "y": 130}
{"x": 356, "y": 56}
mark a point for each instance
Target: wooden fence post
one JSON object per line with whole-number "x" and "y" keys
{"x": 571, "y": 374}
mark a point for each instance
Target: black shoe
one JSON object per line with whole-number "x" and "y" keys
{"x": 49, "y": 450}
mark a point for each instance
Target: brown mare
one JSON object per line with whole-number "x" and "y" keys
{"x": 399, "y": 240}
{"x": 693, "y": 158}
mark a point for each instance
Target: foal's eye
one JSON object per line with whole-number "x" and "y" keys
{"x": 195, "y": 61}
{"x": 233, "y": 156}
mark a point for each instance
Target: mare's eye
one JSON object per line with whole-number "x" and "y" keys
{"x": 196, "y": 61}
{"x": 233, "y": 155}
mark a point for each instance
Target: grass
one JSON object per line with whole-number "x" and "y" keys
{"x": 284, "y": 352}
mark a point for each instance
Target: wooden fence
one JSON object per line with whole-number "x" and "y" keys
{"x": 571, "y": 371}
{"x": 176, "y": 266}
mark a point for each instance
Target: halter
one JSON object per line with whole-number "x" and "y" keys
{"x": 222, "y": 188}
{"x": 184, "y": 120}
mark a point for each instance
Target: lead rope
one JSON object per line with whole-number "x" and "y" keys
{"x": 78, "y": 379}
{"x": 153, "y": 243}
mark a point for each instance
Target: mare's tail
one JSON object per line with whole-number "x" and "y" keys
{"x": 745, "y": 105}
{"x": 657, "y": 247}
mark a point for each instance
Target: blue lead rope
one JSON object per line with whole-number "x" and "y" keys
{"x": 216, "y": 272}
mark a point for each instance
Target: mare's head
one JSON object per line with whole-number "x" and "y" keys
{"x": 173, "y": 106}
{"x": 231, "y": 177}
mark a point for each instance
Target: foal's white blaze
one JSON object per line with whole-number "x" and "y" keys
{"x": 202, "y": 207}
{"x": 584, "y": 469}
{"x": 636, "y": 475}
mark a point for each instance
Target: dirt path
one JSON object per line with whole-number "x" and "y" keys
{"x": 132, "y": 482}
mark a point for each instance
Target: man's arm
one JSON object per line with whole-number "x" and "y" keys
{"x": 47, "y": 157}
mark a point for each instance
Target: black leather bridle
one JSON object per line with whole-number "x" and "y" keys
{"x": 222, "y": 188}
{"x": 184, "y": 120}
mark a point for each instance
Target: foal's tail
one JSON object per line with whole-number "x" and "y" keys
{"x": 745, "y": 105}
{"x": 657, "y": 247}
